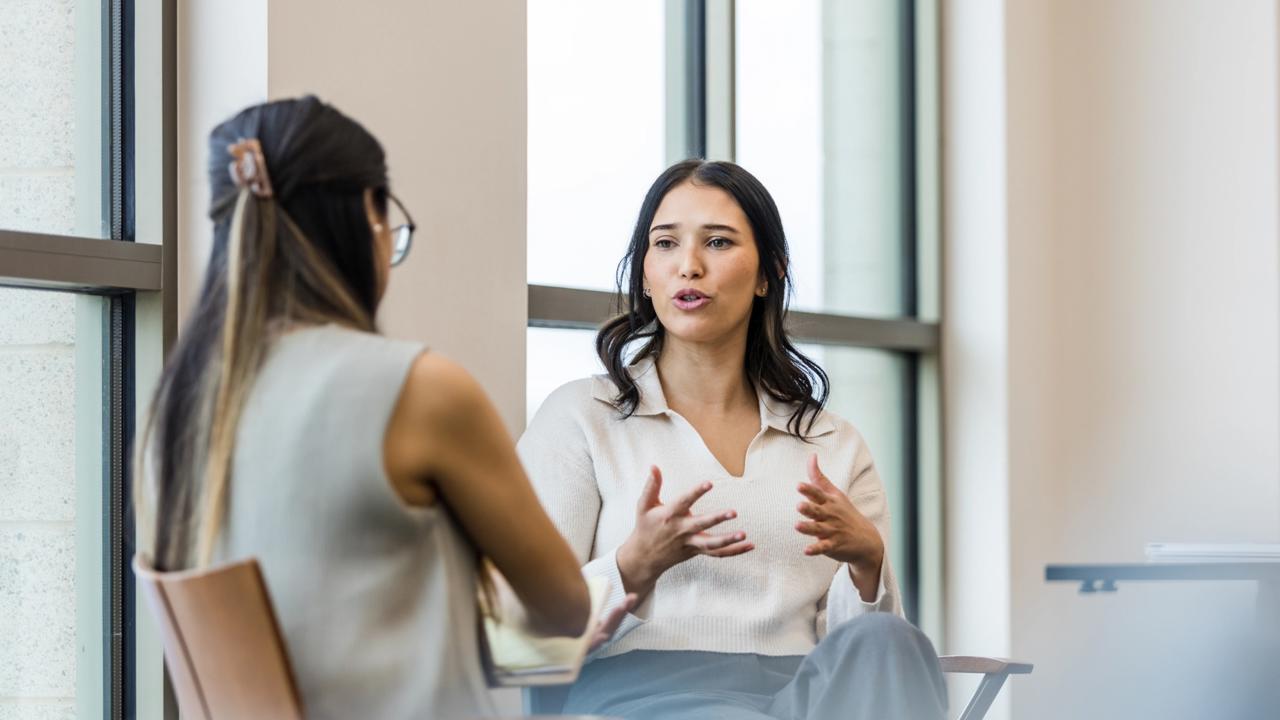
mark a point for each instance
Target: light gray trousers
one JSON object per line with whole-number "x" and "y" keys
{"x": 876, "y": 667}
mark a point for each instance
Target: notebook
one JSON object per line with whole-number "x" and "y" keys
{"x": 515, "y": 657}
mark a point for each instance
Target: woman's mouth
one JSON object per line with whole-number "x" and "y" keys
{"x": 689, "y": 299}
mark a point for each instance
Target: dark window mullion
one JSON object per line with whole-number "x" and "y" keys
{"x": 112, "y": 499}
{"x": 910, "y": 514}
{"x": 695, "y": 58}
{"x": 117, "y": 428}
{"x": 910, "y": 308}
{"x": 907, "y": 161}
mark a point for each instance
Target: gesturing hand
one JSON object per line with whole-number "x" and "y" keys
{"x": 608, "y": 625}
{"x": 842, "y": 532}
{"x": 667, "y": 535}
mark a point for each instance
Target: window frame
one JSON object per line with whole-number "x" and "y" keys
{"x": 700, "y": 123}
{"x": 134, "y": 270}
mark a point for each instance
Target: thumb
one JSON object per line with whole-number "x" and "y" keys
{"x": 652, "y": 490}
{"x": 815, "y": 474}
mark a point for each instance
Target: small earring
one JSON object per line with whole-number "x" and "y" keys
{"x": 646, "y": 292}
{"x": 762, "y": 292}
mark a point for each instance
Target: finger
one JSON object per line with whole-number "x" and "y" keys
{"x": 610, "y": 622}
{"x": 817, "y": 477}
{"x": 609, "y": 625}
{"x": 819, "y": 547}
{"x": 813, "y": 492}
{"x": 685, "y": 502}
{"x": 818, "y": 530}
{"x": 731, "y": 550}
{"x": 652, "y": 490}
{"x": 811, "y": 511}
{"x": 695, "y": 525}
{"x": 707, "y": 542}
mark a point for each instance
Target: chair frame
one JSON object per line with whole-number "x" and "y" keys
{"x": 994, "y": 672}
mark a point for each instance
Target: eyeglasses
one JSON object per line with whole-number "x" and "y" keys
{"x": 401, "y": 235}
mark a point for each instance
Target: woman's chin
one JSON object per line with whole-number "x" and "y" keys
{"x": 698, "y": 331}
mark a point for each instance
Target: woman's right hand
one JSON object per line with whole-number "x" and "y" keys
{"x": 667, "y": 535}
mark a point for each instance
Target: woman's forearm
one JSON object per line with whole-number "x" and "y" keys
{"x": 561, "y": 608}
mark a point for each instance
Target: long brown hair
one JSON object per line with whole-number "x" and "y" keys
{"x": 773, "y": 364}
{"x": 305, "y": 254}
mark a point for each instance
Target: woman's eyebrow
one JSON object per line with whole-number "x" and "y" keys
{"x": 720, "y": 228}
{"x": 710, "y": 226}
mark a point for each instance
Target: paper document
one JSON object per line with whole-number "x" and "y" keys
{"x": 517, "y": 657}
{"x": 1212, "y": 552}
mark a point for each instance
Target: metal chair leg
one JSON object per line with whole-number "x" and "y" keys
{"x": 986, "y": 694}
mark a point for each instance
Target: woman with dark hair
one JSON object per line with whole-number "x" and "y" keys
{"x": 368, "y": 477}
{"x": 780, "y": 601}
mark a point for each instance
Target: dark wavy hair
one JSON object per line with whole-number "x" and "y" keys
{"x": 773, "y": 364}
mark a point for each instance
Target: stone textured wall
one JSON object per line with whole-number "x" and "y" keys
{"x": 37, "y": 369}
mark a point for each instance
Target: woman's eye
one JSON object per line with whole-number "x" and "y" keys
{"x": 663, "y": 243}
{"x": 719, "y": 242}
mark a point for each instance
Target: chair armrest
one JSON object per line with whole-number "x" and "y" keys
{"x": 994, "y": 672}
{"x": 983, "y": 665}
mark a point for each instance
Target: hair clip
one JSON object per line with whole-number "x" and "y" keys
{"x": 248, "y": 167}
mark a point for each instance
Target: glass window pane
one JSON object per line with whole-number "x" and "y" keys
{"x": 869, "y": 388}
{"x": 597, "y": 105}
{"x": 556, "y": 357}
{"x": 52, "y": 143}
{"x": 50, "y": 504}
{"x": 822, "y": 126}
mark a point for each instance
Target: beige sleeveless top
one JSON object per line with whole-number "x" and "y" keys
{"x": 376, "y": 599}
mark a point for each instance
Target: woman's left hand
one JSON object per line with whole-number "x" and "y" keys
{"x": 842, "y": 533}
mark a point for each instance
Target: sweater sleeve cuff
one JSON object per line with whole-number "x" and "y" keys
{"x": 844, "y": 602}
{"x": 607, "y": 566}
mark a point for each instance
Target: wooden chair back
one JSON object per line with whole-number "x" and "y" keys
{"x": 222, "y": 645}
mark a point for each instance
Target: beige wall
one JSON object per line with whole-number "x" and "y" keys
{"x": 1113, "y": 280}
{"x": 442, "y": 84}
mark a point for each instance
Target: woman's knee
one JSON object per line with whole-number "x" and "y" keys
{"x": 884, "y": 631}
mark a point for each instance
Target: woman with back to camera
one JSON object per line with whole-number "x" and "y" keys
{"x": 706, "y": 477}
{"x": 367, "y": 475}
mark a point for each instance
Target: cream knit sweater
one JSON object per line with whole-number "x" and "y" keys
{"x": 588, "y": 466}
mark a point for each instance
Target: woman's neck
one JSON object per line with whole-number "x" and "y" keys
{"x": 702, "y": 378}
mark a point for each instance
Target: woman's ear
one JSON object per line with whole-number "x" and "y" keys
{"x": 762, "y": 289}
{"x": 371, "y": 211}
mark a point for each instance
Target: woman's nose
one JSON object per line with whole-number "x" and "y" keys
{"x": 691, "y": 265}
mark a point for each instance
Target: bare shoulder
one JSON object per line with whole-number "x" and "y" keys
{"x": 439, "y": 391}
{"x": 442, "y": 423}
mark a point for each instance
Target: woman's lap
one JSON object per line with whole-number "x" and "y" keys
{"x": 873, "y": 667}
{"x": 677, "y": 684}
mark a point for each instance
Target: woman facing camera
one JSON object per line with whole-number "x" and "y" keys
{"x": 367, "y": 475}
{"x": 702, "y": 474}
